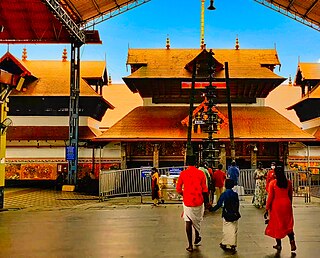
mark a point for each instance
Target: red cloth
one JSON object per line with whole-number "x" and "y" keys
{"x": 219, "y": 177}
{"x": 193, "y": 182}
{"x": 270, "y": 177}
{"x": 279, "y": 206}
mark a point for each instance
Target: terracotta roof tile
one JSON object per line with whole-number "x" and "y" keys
{"x": 164, "y": 123}
{"x": 123, "y": 100}
{"x": 314, "y": 94}
{"x": 54, "y": 77}
{"x": 163, "y": 63}
{"x": 16, "y": 133}
{"x": 315, "y": 131}
{"x": 310, "y": 71}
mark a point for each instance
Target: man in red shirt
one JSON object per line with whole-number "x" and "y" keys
{"x": 219, "y": 177}
{"x": 192, "y": 186}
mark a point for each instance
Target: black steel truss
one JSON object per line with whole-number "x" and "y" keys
{"x": 289, "y": 12}
{"x": 74, "y": 29}
{"x": 119, "y": 9}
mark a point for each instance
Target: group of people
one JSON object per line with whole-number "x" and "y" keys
{"x": 192, "y": 185}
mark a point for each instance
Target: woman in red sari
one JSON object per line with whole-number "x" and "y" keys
{"x": 279, "y": 208}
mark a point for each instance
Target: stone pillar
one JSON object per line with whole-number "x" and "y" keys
{"x": 123, "y": 154}
{"x": 156, "y": 148}
{"x": 223, "y": 156}
{"x": 3, "y": 116}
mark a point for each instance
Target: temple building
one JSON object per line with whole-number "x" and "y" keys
{"x": 307, "y": 154}
{"x": 37, "y": 138}
{"x": 155, "y": 134}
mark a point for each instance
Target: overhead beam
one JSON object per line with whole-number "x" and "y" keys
{"x": 311, "y": 7}
{"x": 96, "y": 5}
{"x": 290, "y": 3}
{"x": 119, "y": 9}
{"x": 291, "y": 13}
{"x": 66, "y": 20}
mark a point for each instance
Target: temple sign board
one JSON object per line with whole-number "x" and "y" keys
{"x": 70, "y": 153}
{"x": 203, "y": 85}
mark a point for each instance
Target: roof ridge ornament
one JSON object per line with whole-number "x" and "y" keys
{"x": 237, "y": 46}
{"x": 168, "y": 43}
{"x": 64, "y": 55}
{"x": 24, "y": 54}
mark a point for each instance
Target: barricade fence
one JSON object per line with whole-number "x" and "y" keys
{"x": 138, "y": 181}
{"x": 129, "y": 181}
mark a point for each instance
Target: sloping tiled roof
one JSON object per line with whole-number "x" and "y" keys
{"x": 123, "y": 100}
{"x": 163, "y": 63}
{"x": 164, "y": 123}
{"x": 315, "y": 131}
{"x": 54, "y": 77}
{"x": 16, "y": 133}
{"x": 317, "y": 134}
{"x": 309, "y": 71}
{"x": 314, "y": 94}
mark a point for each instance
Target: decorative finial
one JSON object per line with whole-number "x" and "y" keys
{"x": 168, "y": 42}
{"x": 109, "y": 79}
{"x": 202, "y": 45}
{"x": 237, "y": 43}
{"x": 64, "y": 55}
{"x": 202, "y": 25}
{"x": 24, "y": 54}
{"x": 290, "y": 81}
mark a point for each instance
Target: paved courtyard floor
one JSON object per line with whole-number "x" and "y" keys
{"x": 74, "y": 225}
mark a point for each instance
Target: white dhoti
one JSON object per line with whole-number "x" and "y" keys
{"x": 193, "y": 214}
{"x": 230, "y": 233}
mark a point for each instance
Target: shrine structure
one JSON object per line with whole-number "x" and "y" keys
{"x": 39, "y": 134}
{"x": 155, "y": 134}
{"x": 307, "y": 154}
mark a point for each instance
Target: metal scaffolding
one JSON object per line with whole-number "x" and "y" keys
{"x": 72, "y": 148}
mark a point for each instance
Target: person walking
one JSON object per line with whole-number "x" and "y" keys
{"x": 270, "y": 176}
{"x": 219, "y": 178}
{"x": 204, "y": 169}
{"x": 279, "y": 210}
{"x": 230, "y": 214}
{"x": 192, "y": 186}
{"x": 260, "y": 194}
{"x": 233, "y": 173}
{"x": 155, "y": 186}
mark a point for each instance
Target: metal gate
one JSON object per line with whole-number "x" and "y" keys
{"x": 137, "y": 181}
{"x": 129, "y": 181}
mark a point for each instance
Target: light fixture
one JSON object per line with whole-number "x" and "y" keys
{"x": 211, "y": 7}
{"x": 4, "y": 125}
{"x": 255, "y": 148}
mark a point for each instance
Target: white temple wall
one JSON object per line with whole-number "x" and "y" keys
{"x": 110, "y": 151}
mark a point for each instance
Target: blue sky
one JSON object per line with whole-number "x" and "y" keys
{"x": 148, "y": 25}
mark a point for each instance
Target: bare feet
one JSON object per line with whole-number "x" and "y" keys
{"x": 197, "y": 241}
{"x": 293, "y": 246}
{"x": 189, "y": 249}
{"x": 277, "y": 247}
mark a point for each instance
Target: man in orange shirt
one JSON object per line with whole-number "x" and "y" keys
{"x": 192, "y": 186}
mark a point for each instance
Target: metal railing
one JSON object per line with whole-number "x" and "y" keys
{"x": 301, "y": 182}
{"x": 129, "y": 181}
{"x": 138, "y": 181}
